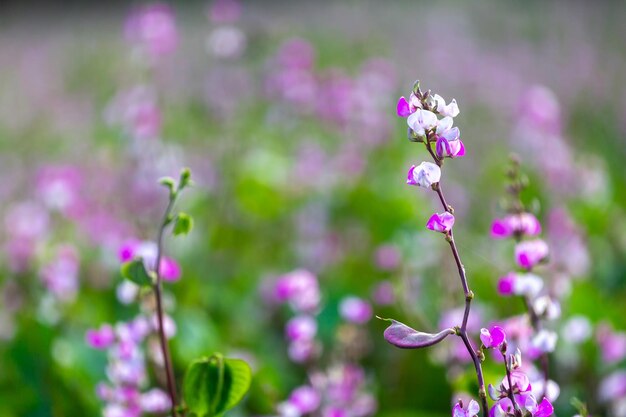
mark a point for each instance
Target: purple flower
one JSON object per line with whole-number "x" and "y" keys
{"x": 388, "y": 257}
{"x": 301, "y": 351}
{"x": 101, "y": 338}
{"x": 155, "y": 401}
{"x": 302, "y": 327}
{"x": 492, "y": 338}
{"x": 60, "y": 276}
{"x": 530, "y": 252}
{"x": 153, "y": 28}
{"x": 448, "y": 142}
{"x": 300, "y": 288}
{"x": 383, "y": 294}
{"x": 424, "y": 175}
{"x": 449, "y": 148}
{"x": 355, "y": 310}
{"x": 441, "y": 222}
{"x": 613, "y": 386}
{"x": 305, "y": 399}
{"x": 472, "y": 410}
{"x": 523, "y": 224}
{"x": 59, "y": 186}
{"x": 543, "y": 409}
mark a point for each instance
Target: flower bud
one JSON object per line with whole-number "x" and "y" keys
{"x": 441, "y": 222}
{"x": 492, "y": 338}
{"x": 530, "y": 252}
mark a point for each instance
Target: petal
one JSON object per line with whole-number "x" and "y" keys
{"x": 402, "y": 336}
{"x": 485, "y": 337}
{"x": 461, "y": 151}
{"x": 444, "y": 125}
{"x": 402, "y": 108}
{"x": 500, "y": 229}
{"x": 497, "y": 335}
{"x": 457, "y": 411}
{"x": 545, "y": 409}
{"x": 473, "y": 408}
{"x": 410, "y": 179}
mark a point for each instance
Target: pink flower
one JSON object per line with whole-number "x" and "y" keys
{"x": 441, "y": 222}
{"x": 153, "y": 28}
{"x": 424, "y": 175}
{"x": 169, "y": 270}
{"x": 519, "y": 380}
{"x": 388, "y": 257}
{"x": 523, "y": 224}
{"x": 225, "y": 11}
{"x": 306, "y": 399}
{"x": 100, "y": 338}
{"x": 301, "y": 351}
{"x": 544, "y": 409}
{"x": 492, "y": 338}
{"x": 506, "y": 284}
{"x": 303, "y": 327}
{"x": 383, "y": 294}
{"x": 300, "y": 288}
{"x": 60, "y": 276}
{"x": 472, "y": 410}
{"x": 155, "y": 401}
{"x": 530, "y": 252}
{"x": 355, "y": 310}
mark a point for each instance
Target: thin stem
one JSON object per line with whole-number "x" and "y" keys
{"x": 518, "y": 412}
{"x": 469, "y": 295}
{"x": 544, "y": 359}
{"x": 169, "y": 372}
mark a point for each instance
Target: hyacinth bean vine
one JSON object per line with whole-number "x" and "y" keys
{"x": 430, "y": 122}
{"x": 212, "y": 385}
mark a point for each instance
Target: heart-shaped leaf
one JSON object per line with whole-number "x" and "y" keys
{"x": 214, "y": 385}
{"x": 135, "y": 271}
{"x": 183, "y": 224}
{"x": 402, "y": 336}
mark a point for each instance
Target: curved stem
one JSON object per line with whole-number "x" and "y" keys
{"x": 169, "y": 372}
{"x": 469, "y": 295}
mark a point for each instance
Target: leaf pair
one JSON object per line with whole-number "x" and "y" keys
{"x": 215, "y": 384}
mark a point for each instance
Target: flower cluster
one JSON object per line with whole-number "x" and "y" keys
{"x": 422, "y": 111}
{"x": 531, "y": 334}
{"x": 514, "y": 395}
{"x": 300, "y": 289}
{"x": 125, "y": 391}
{"x": 340, "y": 390}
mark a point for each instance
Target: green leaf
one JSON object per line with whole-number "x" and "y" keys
{"x": 183, "y": 225}
{"x": 135, "y": 271}
{"x": 214, "y": 385}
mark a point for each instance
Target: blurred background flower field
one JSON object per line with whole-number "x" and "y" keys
{"x": 285, "y": 113}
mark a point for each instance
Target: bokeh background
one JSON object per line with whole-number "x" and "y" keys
{"x": 285, "y": 112}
